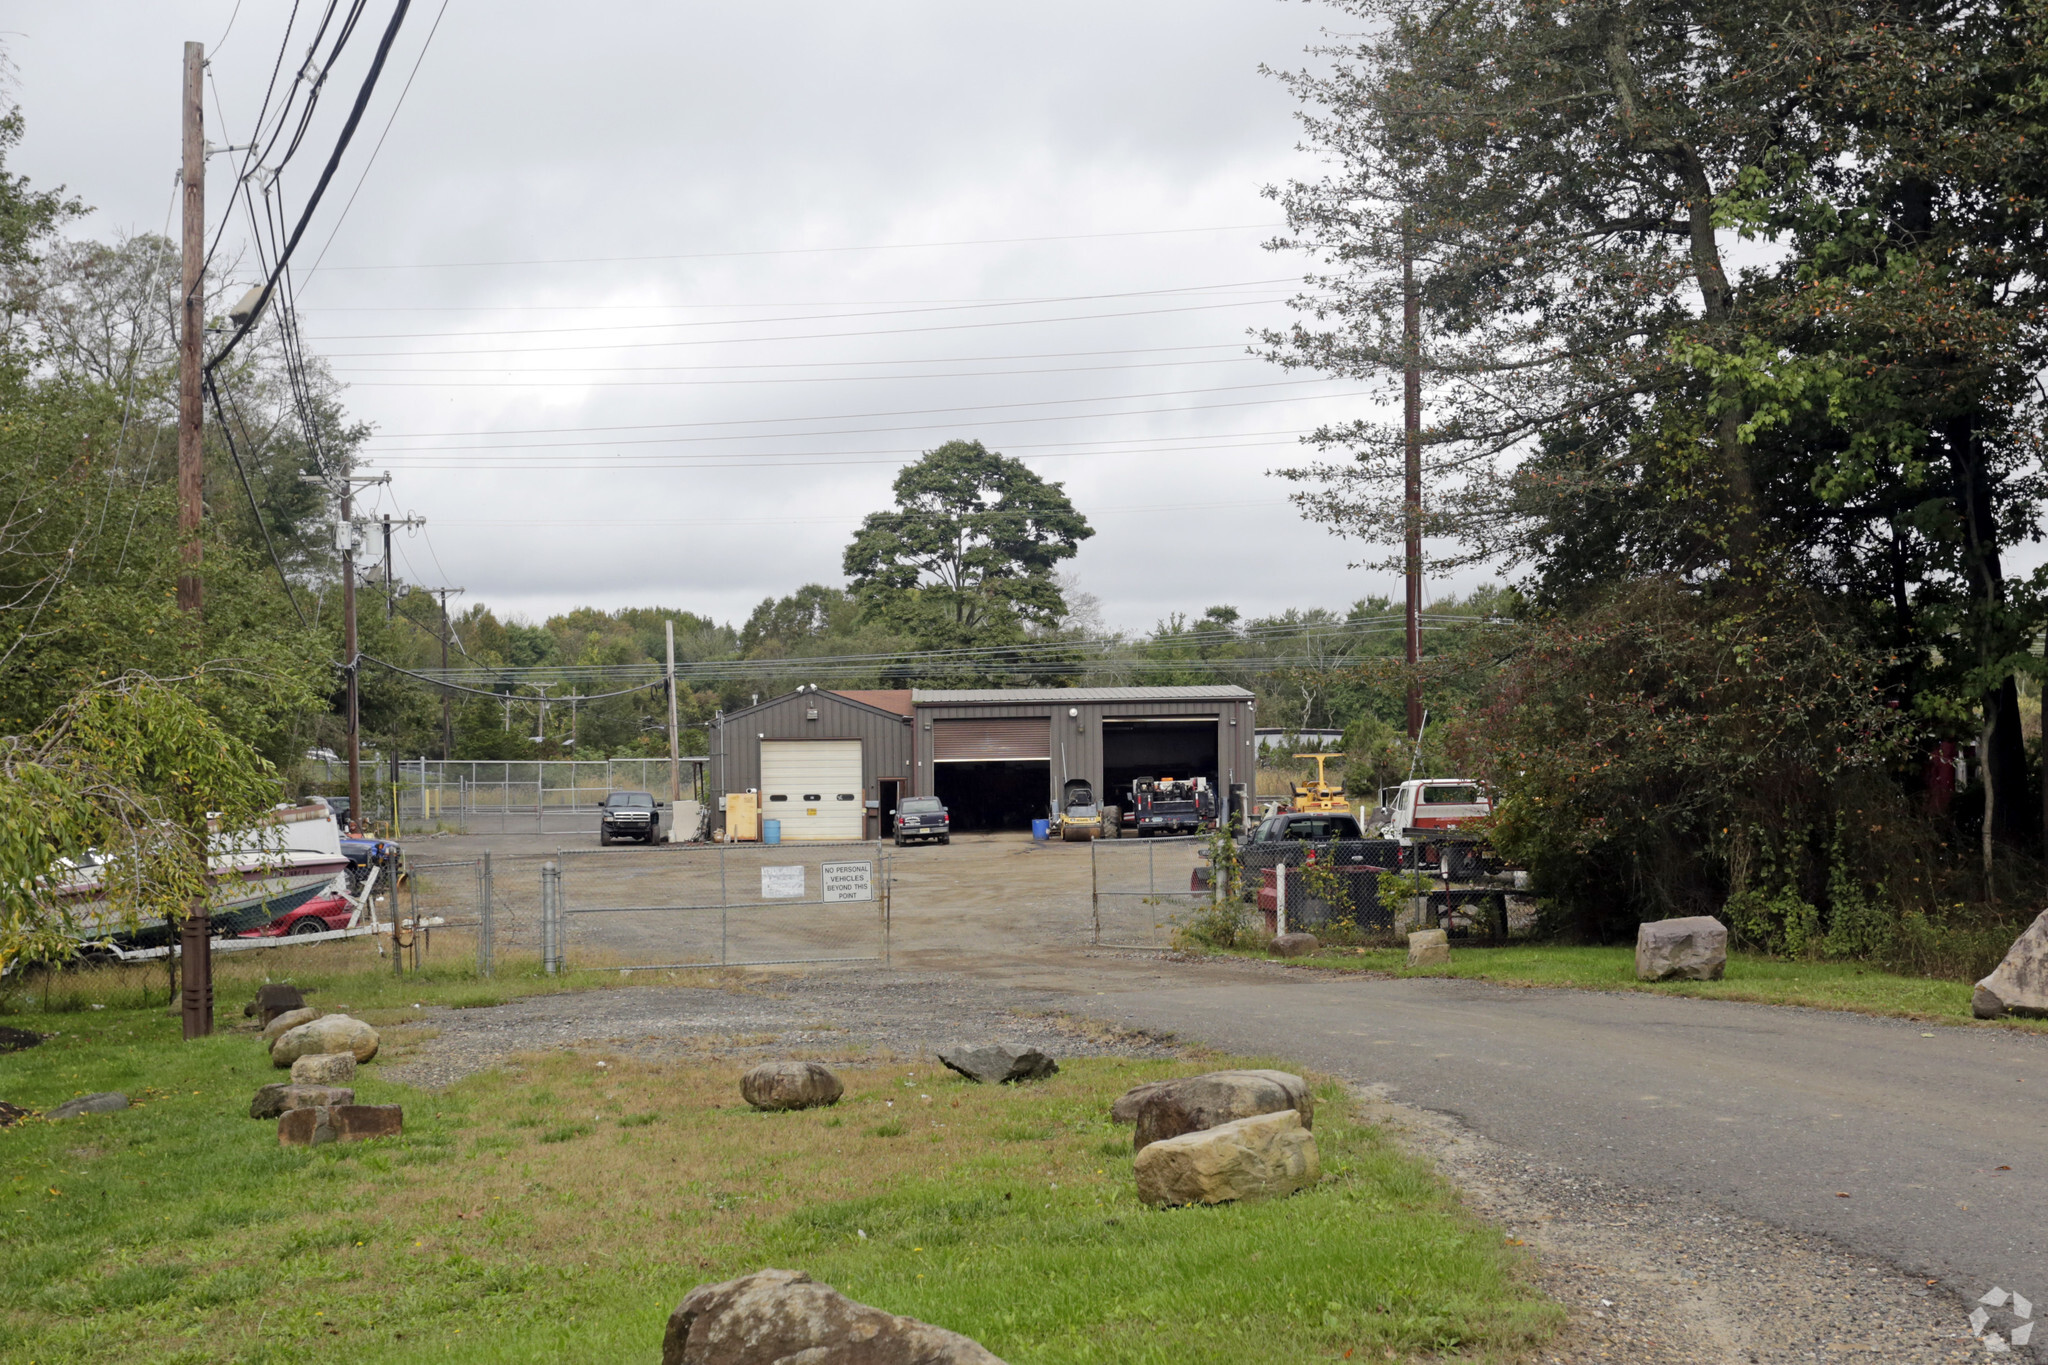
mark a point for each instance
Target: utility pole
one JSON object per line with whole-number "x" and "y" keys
{"x": 1411, "y": 427}
{"x": 675, "y": 767}
{"x": 391, "y": 606}
{"x": 345, "y": 541}
{"x": 447, "y": 714}
{"x": 196, "y": 933}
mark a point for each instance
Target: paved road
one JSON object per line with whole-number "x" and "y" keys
{"x": 1772, "y": 1113}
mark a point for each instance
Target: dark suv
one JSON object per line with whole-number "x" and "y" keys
{"x": 629, "y": 815}
{"x": 923, "y": 817}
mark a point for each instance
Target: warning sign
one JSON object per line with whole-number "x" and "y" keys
{"x": 849, "y": 881}
{"x": 782, "y": 883}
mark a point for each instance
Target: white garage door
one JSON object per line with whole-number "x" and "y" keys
{"x": 813, "y": 787}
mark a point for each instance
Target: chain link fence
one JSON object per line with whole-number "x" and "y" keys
{"x": 1144, "y": 890}
{"x": 665, "y": 906}
{"x": 484, "y": 796}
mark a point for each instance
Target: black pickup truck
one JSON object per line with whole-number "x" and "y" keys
{"x": 629, "y": 815}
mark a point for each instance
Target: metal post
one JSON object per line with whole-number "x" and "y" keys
{"x": 1094, "y": 896}
{"x": 548, "y": 887}
{"x": 1411, "y": 430}
{"x": 1151, "y": 886}
{"x": 1280, "y": 897}
{"x": 888, "y": 902}
{"x": 486, "y": 936}
{"x": 675, "y": 790}
{"x": 721, "y": 874}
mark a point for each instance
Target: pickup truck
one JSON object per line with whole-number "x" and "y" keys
{"x": 629, "y": 815}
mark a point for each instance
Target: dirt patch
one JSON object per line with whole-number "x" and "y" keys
{"x": 18, "y": 1039}
{"x": 1649, "y": 1277}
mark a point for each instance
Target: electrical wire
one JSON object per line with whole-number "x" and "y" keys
{"x": 348, "y": 131}
{"x": 396, "y": 106}
{"x": 254, "y": 509}
{"x": 821, "y": 250}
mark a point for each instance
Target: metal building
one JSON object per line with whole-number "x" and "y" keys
{"x": 833, "y": 765}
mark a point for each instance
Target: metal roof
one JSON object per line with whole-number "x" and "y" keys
{"x": 1003, "y": 696}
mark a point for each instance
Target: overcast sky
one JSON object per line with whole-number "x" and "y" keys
{"x": 848, "y": 233}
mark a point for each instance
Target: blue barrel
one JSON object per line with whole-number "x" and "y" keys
{"x": 771, "y": 831}
{"x": 1041, "y": 830}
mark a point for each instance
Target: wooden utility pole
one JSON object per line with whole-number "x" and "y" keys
{"x": 1411, "y": 428}
{"x": 345, "y": 538}
{"x": 447, "y": 712}
{"x": 196, "y": 933}
{"x": 675, "y": 767}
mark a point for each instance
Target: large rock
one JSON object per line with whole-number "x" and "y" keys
{"x": 1127, "y": 1105}
{"x": 305, "y": 1127}
{"x": 329, "y": 1033}
{"x": 357, "y": 1122}
{"x": 338, "y": 1123}
{"x": 1429, "y": 948}
{"x": 273, "y": 1100}
{"x": 790, "y": 1085}
{"x": 1293, "y": 945}
{"x": 324, "y": 1068}
{"x": 105, "y": 1102}
{"x": 1193, "y": 1103}
{"x": 1694, "y": 948}
{"x": 285, "y": 1023}
{"x": 996, "y": 1063}
{"x": 2019, "y": 984}
{"x": 784, "y": 1317}
{"x": 275, "y": 998}
{"x": 1255, "y": 1158}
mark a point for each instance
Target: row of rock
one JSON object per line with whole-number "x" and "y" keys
{"x": 1221, "y": 1137}
{"x": 775, "y": 1086}
{"x": 1426, "y": 947}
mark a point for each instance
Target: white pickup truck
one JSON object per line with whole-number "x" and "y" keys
{"x": 1432, "y": 803}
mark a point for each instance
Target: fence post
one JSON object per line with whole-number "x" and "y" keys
{"x": 550, "y": 887}
{"x": 888, "y": 886}
{"x": 1280, "y": 897}
{"x": 1094, "y": 897}
{"x": 721, "y": 873}
{"x": 486, "y": 937}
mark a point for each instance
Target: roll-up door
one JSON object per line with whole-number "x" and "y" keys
{"x": 813, "y": 786}
{"x": 992, "y": 739}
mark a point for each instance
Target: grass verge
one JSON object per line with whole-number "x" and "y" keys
{"x": 1759, "y": 980}
{"x": 560, "y": 1209}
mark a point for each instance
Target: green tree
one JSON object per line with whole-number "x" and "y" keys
{"x": 967, "y": 556}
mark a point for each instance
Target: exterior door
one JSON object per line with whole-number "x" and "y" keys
{"x": 813, "y": 786}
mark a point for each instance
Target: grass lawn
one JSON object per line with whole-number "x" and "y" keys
{"x": 1764, "y": 980}
{"x": 559, "y": 1210}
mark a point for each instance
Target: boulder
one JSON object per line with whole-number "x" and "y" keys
{"x": 357, "y": 1122}
{"x": 1293, "y": 945}
{"x": 329, "y": 1033}
{"x": 1429, "y": 948}
{"x": 790, "y": 1085}
{"x": 1125, "y": 1110}
{"x": 273, "y": 1100}
{"x": 2019, "y": 984}
{"x": 1694, "y": 948}
{"x": 105, "y": 1102}
{"x": 324, "y": 1068}
{"x": 285, "y": 1023}
{"x": 996, "y": 1063}
{"x": 1193, "y": 1103}
{"x": 783, "y": 1317}
{"x": 1264, "y": 1157}
{"x": 277, "y": 998}
{"x": 305, "y": 1127}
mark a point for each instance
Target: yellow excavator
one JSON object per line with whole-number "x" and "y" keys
{"x": 1319, "y": 794}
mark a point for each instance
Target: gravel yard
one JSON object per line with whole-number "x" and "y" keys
{"x": 826, "y": 1016}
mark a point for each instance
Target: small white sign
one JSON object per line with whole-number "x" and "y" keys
{"x": 849, "y": 881}
{"x": 782, "y": 883}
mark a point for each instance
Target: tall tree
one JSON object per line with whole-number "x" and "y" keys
{"x": 967, "y": 556}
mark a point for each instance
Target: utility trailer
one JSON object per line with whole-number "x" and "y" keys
{"x": 1167, "y": 806}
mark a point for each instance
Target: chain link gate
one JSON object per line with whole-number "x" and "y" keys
{"x": 669, "y": 907}
{"x": 1143, "y": 890}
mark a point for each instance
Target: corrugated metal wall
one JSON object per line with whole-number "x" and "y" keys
{"x": 736, "y": 741}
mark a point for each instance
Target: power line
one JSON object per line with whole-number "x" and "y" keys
{"x": 399, "y": 104}
{"x": 254, "y": 510}
{"x": 924, "y": 412}
{"x": 822, "y": 250}
{"x": 788, "y": 460}
{"x": 837, "y": 520}
{"x": 348, "y": 132}
{"x": 803, "y": 336}
{"x": 523, "y": 381}
{"x": 812, "y": 317}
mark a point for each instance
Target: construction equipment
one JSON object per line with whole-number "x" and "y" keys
{"x": 1170, "y": 805}
{"x": 1079, "y": 816}
{"x": 1319, "y": 794}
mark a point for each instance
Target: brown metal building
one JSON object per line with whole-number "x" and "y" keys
{"x": 999, "y": 757}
